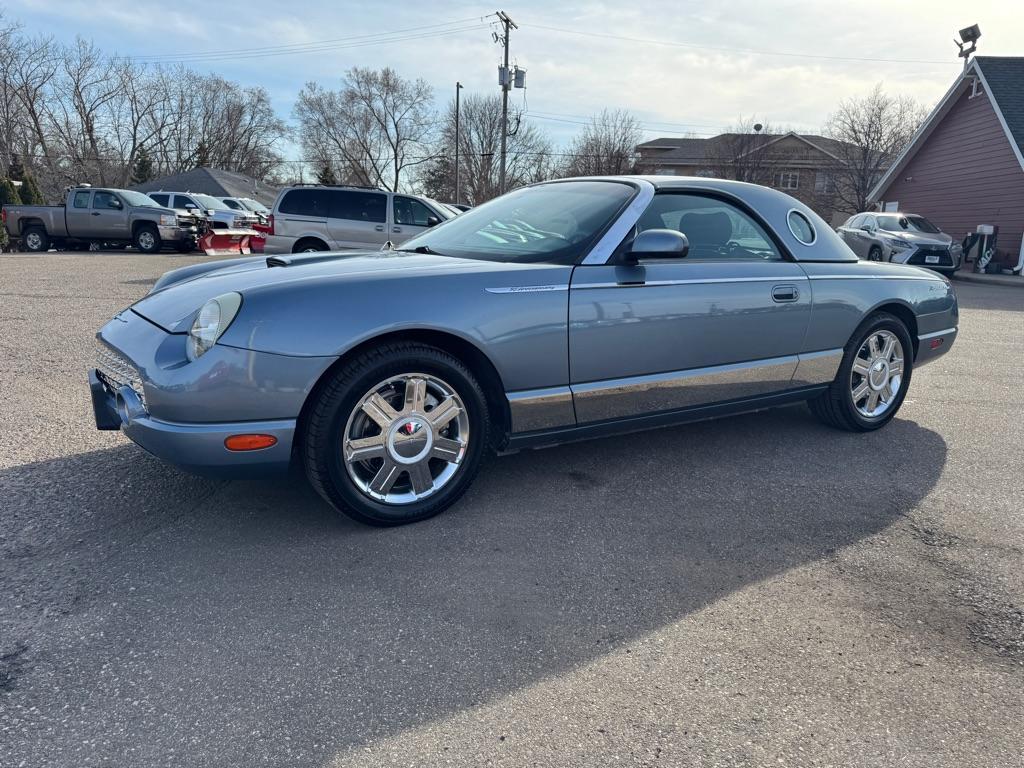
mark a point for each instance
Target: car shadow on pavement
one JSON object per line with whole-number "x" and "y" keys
{"x": 247, "y": 619}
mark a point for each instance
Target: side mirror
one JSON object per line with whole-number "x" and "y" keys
{"x": 658, "y": 244}
{"x": 190, "y": 206}
{"x": 433, "y": 221}
{"x": 118, "y": 204}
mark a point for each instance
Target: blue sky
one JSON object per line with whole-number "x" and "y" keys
{"x": 721, "y": 62}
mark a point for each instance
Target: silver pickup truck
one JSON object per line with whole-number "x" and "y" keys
{"x": 91, "y": 215}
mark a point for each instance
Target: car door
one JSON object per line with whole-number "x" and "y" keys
{"x": 846, "y": 232}
{"x": 409, "y": 218}
{"x": 358, "y": 219}
{"x": 864, "y": 236}
{"x": 76, "y": 215}
{"x": 109, "y": 216}
{"x": 725, "y": 322}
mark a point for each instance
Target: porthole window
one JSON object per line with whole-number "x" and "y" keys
{"x": 800, "y": 227}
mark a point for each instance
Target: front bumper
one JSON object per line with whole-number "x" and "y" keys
{"x": 183, "y": 411}
{"x": 938, "y": 257}
{"x": 175, "y": 234}
{"x": 197, "y": 448}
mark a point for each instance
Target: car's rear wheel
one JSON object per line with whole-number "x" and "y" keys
{"x": 396, "y": 435}
{"x": 147, "y": 239}
{"x": 873, "y": 377}
{"x": 36, "y": 240}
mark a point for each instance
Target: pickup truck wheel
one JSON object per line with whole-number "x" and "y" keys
{"x": 396, "y": 435}
{"x": 147, "y": 239}
{"x": 873, "y": 378}
{"x": 36, "y": 240}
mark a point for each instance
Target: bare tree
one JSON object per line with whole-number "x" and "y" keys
{"x": 529, "y": 156}
{"x": 374, "y": 130}
{"x": 606, "y": 146}
{"x": 873, "y": 130}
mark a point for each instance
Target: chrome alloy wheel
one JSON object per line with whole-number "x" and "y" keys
{"x": 146, "y": 240}
{"x": 877, "y": 374}
{"x": 33, "y": 241}
{"x": 405, "y": 439}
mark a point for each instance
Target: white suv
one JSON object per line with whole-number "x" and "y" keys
{"x": 319, "y": 218}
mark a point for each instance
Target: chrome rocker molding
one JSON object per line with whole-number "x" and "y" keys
{"x": 560, "y": 408}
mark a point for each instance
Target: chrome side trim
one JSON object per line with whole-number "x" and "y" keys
{"x": 535, "y": 409}
{"x": 876, "y": 277}
{"x": 528, "y": 288}
{"x": 817, "y": 367}
{"x": 601, "y": 252}
{"x": 695, "y": 281}
{"x": 615, "y": 398}
{"x": 937, "y": 333}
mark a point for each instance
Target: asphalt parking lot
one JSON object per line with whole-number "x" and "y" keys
{"x": 759, "y": 590}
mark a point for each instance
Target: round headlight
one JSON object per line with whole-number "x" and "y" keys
{"x": 213, "y": 319}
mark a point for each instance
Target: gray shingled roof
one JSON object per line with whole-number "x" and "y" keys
{"x": 1005, "y": 78}
{"x": 213, "y": 181}
{"x": 687, "y": 150}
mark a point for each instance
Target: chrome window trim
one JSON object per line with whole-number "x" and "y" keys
{"x": 606, "y": 246}
{"x": 876, "y": 277}
{"x": 810, "y": 224}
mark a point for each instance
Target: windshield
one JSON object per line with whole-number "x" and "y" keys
{"x": 907, "y": 223}
{"x": 139, "y": 200}
{"x": 252, "y": 205}
{"x": 441, "y": 208}
{"x": 554, "y": 223}
{"x": 210, "y": 202}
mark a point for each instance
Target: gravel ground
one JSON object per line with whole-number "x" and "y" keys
{"x": 759, "y": 590}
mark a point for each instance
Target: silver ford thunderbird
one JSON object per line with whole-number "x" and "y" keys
{"x": 563, "y": 310}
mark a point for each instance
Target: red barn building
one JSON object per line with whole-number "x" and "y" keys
{"x": 965, "y": 164}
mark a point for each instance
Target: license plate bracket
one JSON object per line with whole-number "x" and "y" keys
{"x": 931, "y": 259}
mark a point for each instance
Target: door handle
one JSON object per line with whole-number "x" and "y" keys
{"x": 785, "y": 293}
{"x": 396, "y": 229}
{"x": 379, "y": 227}
{"x": 95, "y": 213}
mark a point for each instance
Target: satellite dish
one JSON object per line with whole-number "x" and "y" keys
{"x": 758, "y": 127}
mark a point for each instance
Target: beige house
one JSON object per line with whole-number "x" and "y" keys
{"x": 801, "y": 165}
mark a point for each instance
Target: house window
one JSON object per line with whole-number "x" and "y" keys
{"x": 824, "y": 183}
{"x": 665, "y": 171}
{"x": 787, "y": 180}
{"x": 705, "y": 174}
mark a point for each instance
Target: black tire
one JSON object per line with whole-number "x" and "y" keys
{"x": 309, "y": 245}
{"x": 147, "y": 239}
{"x": 875, "y": 253}
{"x": 327, "y": 418}
{"x": 35, "y": 240}
{"x": 836, "y": 407}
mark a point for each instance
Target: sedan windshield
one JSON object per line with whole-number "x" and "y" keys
{"x": 554, "y": 223}
{"x": 139, "y": 200}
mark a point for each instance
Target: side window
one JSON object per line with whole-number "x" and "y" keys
{"x": 161, "y": 198}
{"x": 106, "y": 200}
{"x": 184, "y": 201}
{"x": 233, "y": 204}
{"x": 410, "y": 211}
{"x": 717, "y": 230}
{"x": 81, "y": 200}
{"x": 306, "y": 202}
{"x": 359, "y": 206}
{"x": 868, "y": 221}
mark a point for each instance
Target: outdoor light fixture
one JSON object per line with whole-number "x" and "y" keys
{"x": 969, "y": 35}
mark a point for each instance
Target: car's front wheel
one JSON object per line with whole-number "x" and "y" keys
{"x": 147, "y": 239}
{"x": 873, "y": 377}
{"x": 397, "y": 434}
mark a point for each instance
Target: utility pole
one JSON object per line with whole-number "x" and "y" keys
{"x": 505, "y": 80}
{"x": 458, "y": 87}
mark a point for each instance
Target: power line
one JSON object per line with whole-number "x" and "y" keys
{"x": 646, "y": 122}
{"x": 726, "y": 49}
{"x": 343, "y": 46}
{"x": 646, "y": 130}
{"x": 420, "y": 27}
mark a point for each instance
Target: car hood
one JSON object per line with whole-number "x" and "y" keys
{"x": 919, "y": 238}
{"x": 174, "y": 307}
